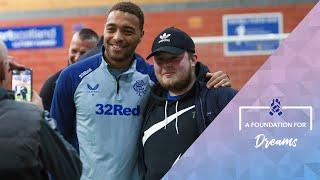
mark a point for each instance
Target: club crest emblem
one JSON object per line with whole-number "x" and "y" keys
{"x": 275, "y": 107}
{"x": 140, "y": 87}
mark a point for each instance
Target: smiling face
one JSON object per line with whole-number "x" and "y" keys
{"x": 122, "y": 34}
{"x": 175, "y": 73}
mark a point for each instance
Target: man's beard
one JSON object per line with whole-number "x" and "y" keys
{"x": 126, "y": 55}
{"x": 117, "y": 57}
{"x": 177, "y": 85}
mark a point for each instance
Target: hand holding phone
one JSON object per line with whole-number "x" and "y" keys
{"x": 22, "y": 84}
{"x": 36, "y": 99}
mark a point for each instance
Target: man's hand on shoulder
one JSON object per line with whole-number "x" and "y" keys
{"x": 218, "y": 79}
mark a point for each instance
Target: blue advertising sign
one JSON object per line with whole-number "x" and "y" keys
{"x": 30, "y": 37}
{"x": 251, "y": 24}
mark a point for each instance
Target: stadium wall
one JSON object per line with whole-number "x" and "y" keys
{"x": 197, "y": 22}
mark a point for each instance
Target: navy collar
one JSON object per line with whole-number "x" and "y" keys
{"x": 172, "y": 98}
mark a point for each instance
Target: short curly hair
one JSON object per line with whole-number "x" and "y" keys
{"x": 131, "y": 8}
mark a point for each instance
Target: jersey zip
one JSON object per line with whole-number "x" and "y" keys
{"x": 118, "y": 86}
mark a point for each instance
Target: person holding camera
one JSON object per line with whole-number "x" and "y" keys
{"x": 30, "y": 145}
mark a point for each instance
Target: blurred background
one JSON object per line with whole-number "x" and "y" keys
{"x": 212, "y": 23}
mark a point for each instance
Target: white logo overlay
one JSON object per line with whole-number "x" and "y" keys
{"x": 275, "y": 121}
{"x": 164, "y": 38}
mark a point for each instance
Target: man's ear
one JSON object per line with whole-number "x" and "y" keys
{"x": 141, "y": 35}
{"x": 3, "y": 78}
{"x": 194, "y": 58}
{"x": 2, "y": 69}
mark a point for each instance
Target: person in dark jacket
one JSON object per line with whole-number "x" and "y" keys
{"x": 180, "y": 107}
{"x": 30, "y": 146}
{"x": 81, "y": 42}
